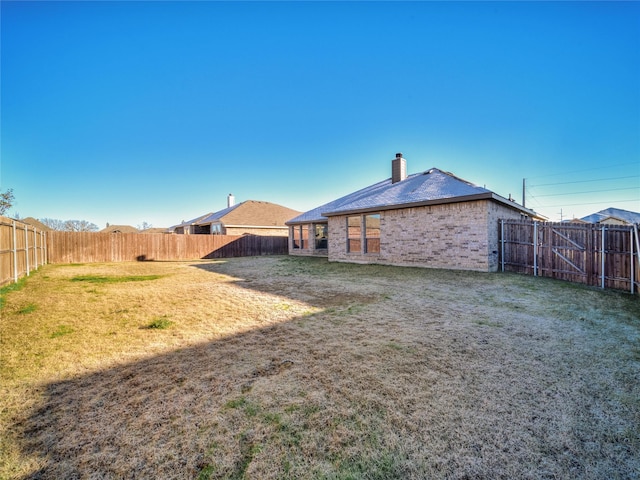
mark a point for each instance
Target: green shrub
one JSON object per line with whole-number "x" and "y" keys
{"x": 160, "y": 323}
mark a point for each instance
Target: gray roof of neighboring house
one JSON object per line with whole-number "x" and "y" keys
{"x": 427, "y": 188}
{"x": 188, "y": 222}
{"x": 216, "y": 216}
{"x": 626, "y": 215}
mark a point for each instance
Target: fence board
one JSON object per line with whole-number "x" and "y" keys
{"x": 22, "y": 250}
{"x": 89, "y": 247}
{"x": 601, "y": 255}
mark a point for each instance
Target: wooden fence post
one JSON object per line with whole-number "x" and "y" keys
{"x": 631, "y": 273}
{"x": 535, "y": 249}
{"x": 502, "y": 245}
{"x": 14, "y": 249}
{"x": 588, "y": 255}
{"x": 602, "y": 263}
{"x": 35, "y": 249}
{"x": 26, "y": 249}
{"x": 550, "y": 258}
{"x": 636, "y": 264}
{"x": 38, "y": 251}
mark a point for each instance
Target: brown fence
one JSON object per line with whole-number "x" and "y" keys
{"x": 601, "y": 255}
{"x": 86, "y": 247}
{"x": 22, "y": 250}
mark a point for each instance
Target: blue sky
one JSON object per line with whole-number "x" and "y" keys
{"x": 131, "y": 112}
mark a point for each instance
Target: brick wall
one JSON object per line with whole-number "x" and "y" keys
{"x": 456, "y": 236}
{"x": 307, "y": 252}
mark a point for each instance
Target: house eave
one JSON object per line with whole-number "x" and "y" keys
{"x": 230, "y": 225}
{"x": 282, "y": 227}
{"x": 306, "y": 222}
{"x": 439, "y": 201}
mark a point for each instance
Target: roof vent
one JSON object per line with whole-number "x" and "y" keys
{"x": 398, "y": 169}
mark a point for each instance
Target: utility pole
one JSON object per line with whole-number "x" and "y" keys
{"x": 560, "y": 215}
{"x": 523, "y": 191}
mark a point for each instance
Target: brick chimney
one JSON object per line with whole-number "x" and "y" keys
{"x": 398, "y": 169}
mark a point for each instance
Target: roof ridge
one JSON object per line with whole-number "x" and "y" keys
{"x": 454, "y": 176}
{"x": 428, "y": 187}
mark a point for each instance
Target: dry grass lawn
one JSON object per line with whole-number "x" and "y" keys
{"x": 282, "y": 367}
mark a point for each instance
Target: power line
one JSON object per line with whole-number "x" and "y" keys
{"x": 590, "y": 191}
{"x": 531, "y": 192}
{"x": 608, "y": 167}
{"x": 583, "y": 181}
{"x": 591, "y": 203}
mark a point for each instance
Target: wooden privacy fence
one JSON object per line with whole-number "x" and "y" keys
{"x": 23, "y": 248}
{"x": 88, "y": 247}
{"x": 593, "y": 254}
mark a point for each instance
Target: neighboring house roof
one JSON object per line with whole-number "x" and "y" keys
{"x": 188, "y": 223}
{"x": 154, "y": 230}
{"x": 575, "y": 220}
{"x": 35, "y": 223}
{"x": 618, "y": 213}
{"x": 251, "y": 213}
{"x": 427, "y": 188}
{"x": 119, "y": 229}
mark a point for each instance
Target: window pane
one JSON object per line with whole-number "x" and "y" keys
{"x": 321, "y": 230}
{"x": 354, "y": 232}
{"x": 295, "y": 233}
{"x": 372, "y": 233}
{"x": 304, "y": 232}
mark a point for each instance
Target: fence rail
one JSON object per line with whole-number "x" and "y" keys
{"x": 601, "y": 255}
{"x": 23, "y": 248}
{"x": 88, "y": 247}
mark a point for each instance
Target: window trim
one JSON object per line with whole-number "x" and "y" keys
{"x": 324, "y": 239}
{"x": 350, "y": 238}
{"x": 294, "y": 229}
{"x": 300, "y": 233}
{"x": 366, "y": 237}
{"x": 363, "y": 238}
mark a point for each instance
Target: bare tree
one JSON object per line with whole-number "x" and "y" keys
{"x": 144, "y": 226}
{"x": 53, "y": 223}
{"x": 69, "y": 225}
{"x": 80, "y": 226}
{"x": 6, "y": 200}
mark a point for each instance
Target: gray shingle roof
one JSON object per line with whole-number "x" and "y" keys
{"x": 434, "y": 185}
{"x": 216, "y": 216}
{"x": 188, "y": 222}
{"x": 626, "y": 215}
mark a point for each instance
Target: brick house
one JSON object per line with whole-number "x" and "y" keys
{"x": 252, "y": 217}
{"x": 429, "y": 219}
